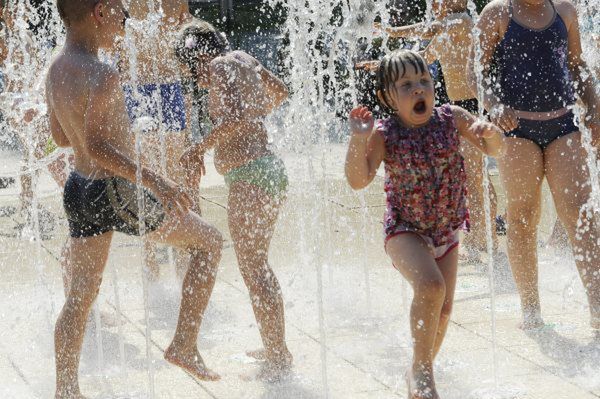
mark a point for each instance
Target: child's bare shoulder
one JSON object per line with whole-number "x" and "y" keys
{"x": 496, "y": 8}
{"x": 567, "y": 10}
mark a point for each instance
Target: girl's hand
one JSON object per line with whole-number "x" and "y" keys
{"x": 483, "y": 129}
{"x": 361, "y": 121}
{"x": 504, "y": 117}
{"x": 192, "y": 161}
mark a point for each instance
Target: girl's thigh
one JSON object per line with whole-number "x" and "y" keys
{"x": 252, "y": 215}
{"x": 412, "y": 257}
{"x": 522, "y": 173}
{"x": 568, "y": 176}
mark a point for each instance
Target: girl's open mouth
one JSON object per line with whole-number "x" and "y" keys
{"x": 420, "y": 107}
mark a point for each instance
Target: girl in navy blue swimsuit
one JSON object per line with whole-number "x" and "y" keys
{"x": 534, "y": 72}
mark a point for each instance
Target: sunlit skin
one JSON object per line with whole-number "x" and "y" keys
{"x": 412, "y": 99}
{"x": 241, "y": 93}
{"x": 86, "y": 111}
{"x": 562, "y": 163}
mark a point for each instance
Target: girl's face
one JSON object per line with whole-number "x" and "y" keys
{"x": 412, "y": 97}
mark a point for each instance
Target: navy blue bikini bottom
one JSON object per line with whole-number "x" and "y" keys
{"x": 543, "y": 133}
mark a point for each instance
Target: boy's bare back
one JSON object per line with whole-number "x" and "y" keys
{"x": 453, "y": 49}
{"x": 86, "y": 109}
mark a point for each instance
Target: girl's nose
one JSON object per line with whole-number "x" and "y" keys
{"x": 419, "y": 90}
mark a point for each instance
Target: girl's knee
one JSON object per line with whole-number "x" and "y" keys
{"x": 431, "y": 289}
{"x": 523, "y": 218}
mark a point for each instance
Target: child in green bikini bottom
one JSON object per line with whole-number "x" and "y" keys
{"x": 267, "y": 173}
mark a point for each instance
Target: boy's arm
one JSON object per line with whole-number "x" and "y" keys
{"x": 421, "y": 30}
{"x": 366, "y": 150}
{"x": 431, "y": 51}
{"x": 487, "y": 137}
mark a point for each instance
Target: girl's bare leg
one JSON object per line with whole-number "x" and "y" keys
{"x": 204, "y": 243}
{"x": 413, "y": 258}
{"x": 448, "y": 267}
{"x": 568, "y": 177}
{"x": 252, "y": 218}
{"x": 522, "y": 171}
{"x": 88, "y": 259}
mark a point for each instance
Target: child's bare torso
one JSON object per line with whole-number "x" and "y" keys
{"x": 454, "y": 53}
{"x": 155, "y": 53}
{"x": 70, "y": 79}
{"x": 250, "y": 99}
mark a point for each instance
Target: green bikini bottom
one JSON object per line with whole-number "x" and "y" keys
{"x": 267, "y": 173}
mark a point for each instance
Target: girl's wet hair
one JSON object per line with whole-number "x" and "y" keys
{"x": 199, "y": 38}
{"x": 393, "y": 67}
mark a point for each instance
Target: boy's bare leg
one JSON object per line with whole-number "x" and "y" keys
{"x": 522, "y": 173}
{"x": 252, "y": 217}
{"x": 566, "y": 170}
{"x": 412, "y": 257}
{"x": 448, "y": 267}
{"x": 204, "y": 243}
{"x": 88, "y": 259}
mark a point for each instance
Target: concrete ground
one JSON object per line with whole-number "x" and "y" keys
{"x": 350, "y": 339}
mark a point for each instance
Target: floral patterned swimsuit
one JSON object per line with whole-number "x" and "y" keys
{"x": 425, "y": 181}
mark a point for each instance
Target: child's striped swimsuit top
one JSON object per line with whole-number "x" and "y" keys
{"x": 425, "y": 179}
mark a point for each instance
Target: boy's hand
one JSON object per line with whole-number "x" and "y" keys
{"x": 361, "y": 121}
{"x": 504, "y": 117}
{"x": 173, "y": 198}
{"x": 483, "y": 129}
{"x": 367, "y": 65}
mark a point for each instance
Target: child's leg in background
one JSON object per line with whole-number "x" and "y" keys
{"x": 475, "y": 167}
{"x": 413, "y": 258}
{"x": 448, "y": 266}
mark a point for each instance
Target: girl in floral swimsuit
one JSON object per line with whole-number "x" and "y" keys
{"x": 426, "y": 195}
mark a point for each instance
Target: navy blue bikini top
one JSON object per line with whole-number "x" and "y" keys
{"x": 532, "y": 67}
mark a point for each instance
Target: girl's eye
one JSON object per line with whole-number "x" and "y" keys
{"x": 405, "y": 85}
{"x": 425, "y": 81}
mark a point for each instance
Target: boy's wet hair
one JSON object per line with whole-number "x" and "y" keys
{"x": 393, "y": 67}
{"x": 73, "y": 11}
{"x": 199, "y": 38}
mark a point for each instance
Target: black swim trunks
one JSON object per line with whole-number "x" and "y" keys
{"x": 95, "y": 207}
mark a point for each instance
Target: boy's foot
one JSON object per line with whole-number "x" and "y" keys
{"x": 420, "y": 385}
{"x": 500, "y": 226}
{"x": 191, "y": 362}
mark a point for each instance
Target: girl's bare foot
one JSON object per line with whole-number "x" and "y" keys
{"x": 192, "y": 362}
{"x": 69, "y": 394}
{"x": 421, "y": 385}
{"x": 276, "y": 366}
{"x": 259, "y": 354}
{"x": 532, "y": 320}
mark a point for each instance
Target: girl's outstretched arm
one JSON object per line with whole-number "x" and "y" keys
{"x": 365, "y": 151}
{"x": 486, "y": 136}
{"x": 586, "y": 82}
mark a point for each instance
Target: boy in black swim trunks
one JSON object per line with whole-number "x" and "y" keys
{"x": 87, "y": 112}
